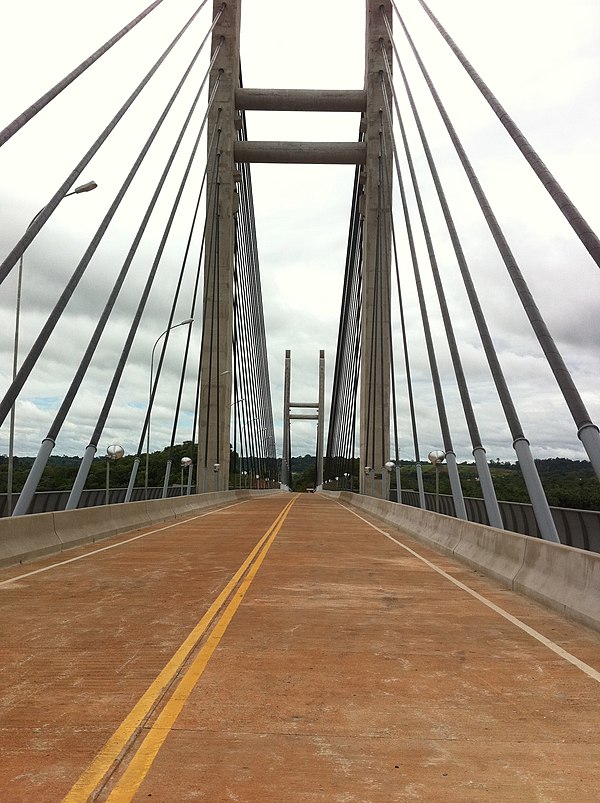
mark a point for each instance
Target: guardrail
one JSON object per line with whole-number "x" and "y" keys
{"x": 578, "y": 528}
{"x": 23, "y": 538}
{"x": 51, "y": 501}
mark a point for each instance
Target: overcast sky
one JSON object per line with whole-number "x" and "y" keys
{"x": 540, "y": 58}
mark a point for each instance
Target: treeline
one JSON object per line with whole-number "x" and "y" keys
{"x": 61, "y": 471}
{"x": 567, "y": 483}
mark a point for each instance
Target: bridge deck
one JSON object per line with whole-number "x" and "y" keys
{"x": 342, "y": 667}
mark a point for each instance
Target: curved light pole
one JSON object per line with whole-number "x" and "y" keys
{"x": 187, "y": 322}
{"x": 87, "y": 187}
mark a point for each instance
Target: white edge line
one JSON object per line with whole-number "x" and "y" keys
{"x": 567, "y": 656}
{"x": 113, "y": 546}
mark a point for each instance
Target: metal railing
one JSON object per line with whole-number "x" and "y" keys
{"x": 578, "y": 528}
{"x": 50, "y": 501}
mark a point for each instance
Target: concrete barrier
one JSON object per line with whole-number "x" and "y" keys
{"x": 187, "y": 505}
{"x": 27, "y": 537}
{"x": 197, "y": 503}
{"x": 84, "y": 526}
{"x": 566, "y": 578}
{"x": 23, "y": 538}
{"x": 562, "y": 577}
{"x": 130, "y": 515}
{"x": 443, "y": 531}
{"x": 159, "y": 510}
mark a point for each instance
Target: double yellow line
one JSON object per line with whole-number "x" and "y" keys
{"x": 142, "y": 760}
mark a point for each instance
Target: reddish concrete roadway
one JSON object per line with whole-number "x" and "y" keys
{"x": 271, "y": 654}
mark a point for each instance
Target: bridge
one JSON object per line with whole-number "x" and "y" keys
{"x": 217, "y": 636}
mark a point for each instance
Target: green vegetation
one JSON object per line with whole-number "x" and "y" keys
{"x": 568, "y": 483}
{"x": 61, "y": 471}
{"x": 304, "y": 472}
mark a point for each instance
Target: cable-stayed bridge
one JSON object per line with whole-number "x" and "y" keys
{"x": 174, "y": 259}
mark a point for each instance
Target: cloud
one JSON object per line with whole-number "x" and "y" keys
{"x": 546, "y": 71}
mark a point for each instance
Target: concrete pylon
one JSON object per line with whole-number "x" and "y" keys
{"x": 318, "y": 416}
{"x": 375, "y": 335}
{"x": 216, "y": 374}
{"x": 214, "y": 413}
{"x": 286, "y": 474}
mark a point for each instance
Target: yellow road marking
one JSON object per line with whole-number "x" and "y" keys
{"x": 141, "y": 762}
{"x": 113, "y": 748}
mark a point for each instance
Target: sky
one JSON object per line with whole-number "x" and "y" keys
{"x": 542, "y": 61}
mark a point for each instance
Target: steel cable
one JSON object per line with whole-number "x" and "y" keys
{"x": 48, "y": 96}
{"x": 33, "y": 230}
{"x": 575, "y": 219}
{"x": 587, "y": 431}
{"x": 39, "y": 344}
{"x": 491, "y": 503}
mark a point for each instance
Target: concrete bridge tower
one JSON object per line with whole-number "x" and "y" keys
{"x": 216, "y": 357}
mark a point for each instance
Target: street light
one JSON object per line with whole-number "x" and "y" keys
{"x": 370, "y": 472}
{"x": 186, "y": 462}
{"x": 233, "y": 404}
{"x": 389, "y": 466}
{"x": 243, "y": 429}
{"x": 175, "y": 325}
{"x": 88, "y": 187}
{"x": 436, "y": 457}
{"x": 113, "y": 453}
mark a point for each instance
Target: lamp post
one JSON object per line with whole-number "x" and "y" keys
{"x": 88, "y": 187}
{"x": 186, "y": 462}
{"x": 388, "y": 474}
{"x": 369, "y": 472}
{"x": 242, "y": 430}
{"x": 113, "y": 453}
{"x": 187, "y": 322}
{"x": 436, "y": 457}
{"x": 233, "y": 404}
